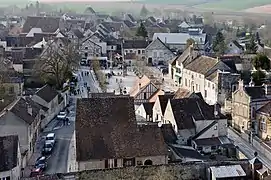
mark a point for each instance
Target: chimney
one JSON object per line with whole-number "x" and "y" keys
{"x": 241, "y": 84}
{"x": 217, "y": 110}
{"x": 29, "y": 109}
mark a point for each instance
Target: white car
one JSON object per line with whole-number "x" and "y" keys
{"x": 62, "y": 115}
{"x": 50, "y": 138}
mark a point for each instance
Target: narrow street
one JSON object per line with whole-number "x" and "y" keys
{"x": 58, "y": 161}
{"x": 247, "y": 148}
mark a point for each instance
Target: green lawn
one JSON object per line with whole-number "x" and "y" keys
{"x": 234, "y": 4}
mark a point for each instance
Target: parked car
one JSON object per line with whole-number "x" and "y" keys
{"x": 36, "y": 172}
{"x": 62, "y": 115}
{"x": 47, "y": 149}
{"x": 50, "y": 138}
{"x": 41, "y": 163}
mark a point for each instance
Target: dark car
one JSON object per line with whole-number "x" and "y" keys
{"x": 41, "y": 163}
{"x": 36, "y": 172}
{"x": 47, "y": 148}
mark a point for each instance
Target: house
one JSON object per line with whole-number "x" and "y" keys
{"x": 235, "y": 48}
{"x": 112, "y": 136}
{"x": 11, "y": 83}
{"x": 144, "y": 91}
{"x": 43, "y": 24}
{"x": 178, "y": 41}
{"x": 89, "y": 48}
{"x": 129, "y": 17}
{"x": 145, "y": 111}
{"x": 159, "y": 107}
{"x": 235, "y": 172}
{"x": 263, "y": 120}
{"x": 75, "y": 35}
{"x": 185, "y": 154}
{"x": 246, "y": 100}
{"x": 158, "y": 53}
{"x": 10, "y": 164}
{"x": 136, "y": 46}
{"x": 190, "y": 116}
{"x": 111, "y": 28}
{"x": 24, "y": 120}
{"x": 48, "y": 97}
{"x": 214, "y": 79}
{"x": 184, "y": 27}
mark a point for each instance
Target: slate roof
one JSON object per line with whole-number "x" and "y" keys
{"x": 20, "y": 110}
{"x": 169, "y": 134}
{"x": 187, "y": 152}
{"x": 148, "y": 108}
{"x": 129, "y": 23}
{"x": 208, "y": 142}
{"x": 78, "y": 33}
{"x": 187, "y": 110}
{"x": 112, "y": 26}
{"x": 47, "y": 24}
{"x": 265, "y": 109}
{"x": 202, "y": 64}
{"x": 131, "y": 17}
{"x": 163, "y": 99}
{"x": 238, "y": 45}
{"x": 9, "y": 152}
{"x": 204, "y": 130}
{"x": 108, "y": 126}
{"x": 47, "y": 93}
{"x": 135, "y": 44}
{"x": 255, "y": 91}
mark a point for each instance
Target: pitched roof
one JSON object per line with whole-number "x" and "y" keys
{"x": 20, "y": 109}
{"x": 89, "y": 10}
{"x": 47, "y": 93}
{"x": 205, "y": 130}
{"x": 169, "y": 134}
{"x": 238, "y": 45}
{"x": 214, "y": 141}
{"x": 148, "y": 108}
{"x": 108, "y": 126}
{"x": 9, "y": 152}
{"x": 181, "y": 93}
{"x": 78, "y": 33}
{"x": 135, "y": 44}
{"x": 129, "y": 23}
{"x": 202, "y": 64}
{"x": 131, "y": 17}
{"x": 163, "y": 99}
{"x": 265, "y": 109}
{"x": 139, "y": 84}
{"x": 255, "y": 91}
{"x": 112, "y": 26}
{"x": 187, "y": 152}
{"x": 47, "y": 24}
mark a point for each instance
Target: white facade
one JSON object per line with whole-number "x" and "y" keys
{"x": 196, "y": 82}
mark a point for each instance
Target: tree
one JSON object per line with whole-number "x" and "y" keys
{"x": 189, "y": 42}
{"x": 56, "y": 64}
{"x": 252, "y": 46}
{"x": 141, "y": 31}
{"x": 261, "y": 61}
{"x": 99, "y": 75}
{"x": 219, "y": 45}
{"x": 144, "y": 11}
{"x": 258, "y": 77}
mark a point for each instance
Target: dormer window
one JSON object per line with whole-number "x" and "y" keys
{"x": 86, "y": 47}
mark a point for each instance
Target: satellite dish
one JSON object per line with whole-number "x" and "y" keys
{"x": 160, "y": 124}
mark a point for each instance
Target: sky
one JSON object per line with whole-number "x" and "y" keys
{"x": 78, "y": 0}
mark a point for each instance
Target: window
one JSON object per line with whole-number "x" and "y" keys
{"x": 196, "y": 87}
{"x": 208, "y": 84}
{"x": 2, "y": 90}
{"x": 60, "y": 45}
{"x": 126, "y": 51}
{"x": 86, "y": 47}
{"x": 112, "y": 47}
{"x": 213, "y": 86}
{"x": 131, "y": 51}
{"x": 156, "y": 117}
{"x": 263, "y": 125}
{"x": 6, "y": 178}
{"x": 139, "y": 163}
{"x": 143, "y": 51}
{"x": 86, "y": 54}
{"x": 185, "y": 82}
{"x": 205, "y": 93}
{"x": 115, "y": 163}
{"x": 215, "y": 127}
{"x": 128, "y": 162}
{"x": 138, "y": 51}
{"x": 199, "y": 148}
{"x": 11, "y": 90}
{"x": 155, "y": 54}
{"x": 145, "y": 95}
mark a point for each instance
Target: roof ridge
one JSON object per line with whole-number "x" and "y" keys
{"x": 200, "y": 109}
{"x": 9, "y": 107}
{"x": 205, "y": 129}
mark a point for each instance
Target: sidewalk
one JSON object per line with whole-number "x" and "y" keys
{"x": 72, "y": 165}
{"x": 96, "y": 83}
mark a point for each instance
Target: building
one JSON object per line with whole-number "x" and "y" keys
{"x": 263, "y": 116}
{"x": 145, "y": 91}
{"x": 159, "y": 107}
{"x": 145, "y": 111}
{"x": 24, "y": 120}
{"x": 158, "y": 53}
{"x": 10, "y": 163}
{"x": 235, "y": 172}
{"x": 137, "y": 47}
{"x": 107, "y": 135}
{"x": 246, "y": 100}
{"x": 235, "y": 48}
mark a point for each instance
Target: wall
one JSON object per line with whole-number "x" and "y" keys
{"x": 141, "y": 111}
{"x": 89, "y": 165}
{"x": 201, "y": 124}
{"x": 18, "y": 67}
{"x": 157, "y": 112}
{"x": 156, "y": 160}
{"x": 169, "y": 117}
{"x": 14, "y": 173}
{"x": 267, "y": 133}
{"x": 166, "y": 172}
{"x": 11, "y": 125}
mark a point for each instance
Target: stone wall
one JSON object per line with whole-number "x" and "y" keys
{"x": 185, "y": 171}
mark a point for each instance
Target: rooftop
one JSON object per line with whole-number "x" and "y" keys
{"x": 228, "y": 171}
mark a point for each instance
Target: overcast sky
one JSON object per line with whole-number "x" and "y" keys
{"x": 78, "y": 0}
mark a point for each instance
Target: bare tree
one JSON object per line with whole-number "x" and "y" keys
{"x": 56, "y": 63}
{"x": 99, "y": 75}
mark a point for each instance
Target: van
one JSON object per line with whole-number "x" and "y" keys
{"x": 50, "y": 138}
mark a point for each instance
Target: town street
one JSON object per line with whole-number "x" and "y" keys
{"x": 247, "y": 148}
{"x": 58, "y": 162}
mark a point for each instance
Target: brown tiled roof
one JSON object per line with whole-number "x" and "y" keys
{"x": 47, "y": 93}
{"x": 47, "y": 24}
{"x": 168, "y": 133}
{"x": 266, "y": 109}
{"x": 108, "y": 126}
{"x": 163, "y": 99}
{"x": 181, "y": 93}
{"x": 212, "y": 77}
{"x": 8, "y": 152}
{"x": 143, "y": 81}
{"x": 20, "y": 110}
{"x": 202, "y": 64}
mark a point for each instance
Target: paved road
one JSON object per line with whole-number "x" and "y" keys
{"x": 57, "y": 163}
{"x": 248, "y": 149}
